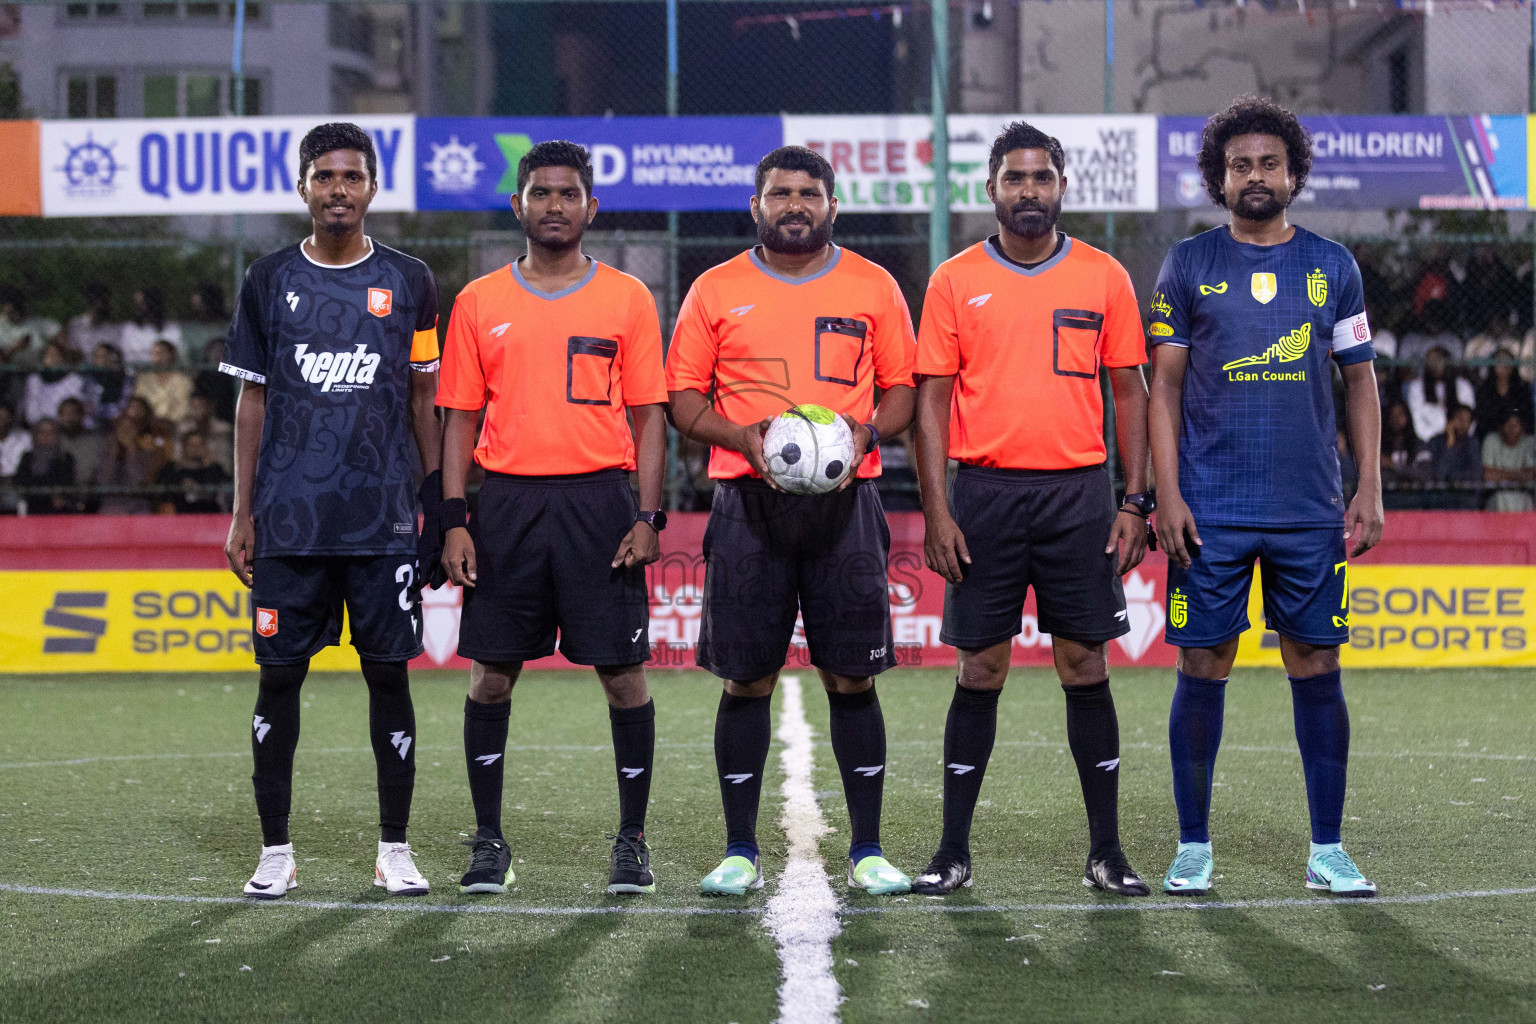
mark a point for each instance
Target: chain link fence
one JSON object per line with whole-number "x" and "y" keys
{"x": 1450, "y": 293}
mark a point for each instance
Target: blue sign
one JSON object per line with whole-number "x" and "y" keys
{"x": 1365, "y": 162}
{"x": 639, "y": 163}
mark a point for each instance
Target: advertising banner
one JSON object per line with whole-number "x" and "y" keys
{"x": 1365, "y": 162}
{"x": 884, "y": 164}
{"x": 639, "y": 163}
{"x": 165, "y": 166}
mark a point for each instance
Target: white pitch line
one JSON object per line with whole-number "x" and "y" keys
{"x": 406, "y": 906}
{"x": 803, "y": 912}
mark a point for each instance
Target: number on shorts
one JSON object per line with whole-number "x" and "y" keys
{"x": 1341, "y": 620}
{"x": 405, "y": 574}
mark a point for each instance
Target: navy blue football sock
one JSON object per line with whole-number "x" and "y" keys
{"x": 858, "y": 851}
{"x": 1194, "y": 735}
{"x": 858, "y": 743}
{"x": 1322, "y": 732}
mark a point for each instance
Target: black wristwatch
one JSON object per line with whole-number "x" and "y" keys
{"x": 1141, "y": 504}
{"x": 874, "y": 435}
{"x": 657, "y": 519}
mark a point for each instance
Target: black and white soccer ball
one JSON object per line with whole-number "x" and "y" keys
{"x": 808, "y": 450}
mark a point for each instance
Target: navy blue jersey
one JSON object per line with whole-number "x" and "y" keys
{"x": 335, "y": 347}
{"x": 1257, "y": 444}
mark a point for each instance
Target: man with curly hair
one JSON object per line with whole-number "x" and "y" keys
{"x": 1244, "y": 320}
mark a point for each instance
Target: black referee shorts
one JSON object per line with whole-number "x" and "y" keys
{"x": 543, "y": 548}
{"x": 1041, "y": 529}
{"x": 769, "y": 555}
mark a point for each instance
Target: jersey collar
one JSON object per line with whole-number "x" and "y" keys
{"x": 338, "y": 266}
{"x": 757, "y": 261}
{"x": 1039, "y": 268}
{"x": 517, "y": 275}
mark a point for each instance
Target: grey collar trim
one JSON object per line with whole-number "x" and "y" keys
{"x": 1004, "y": 261}
{"x": 757, "y": 261}
{"x": 517, "y": 275}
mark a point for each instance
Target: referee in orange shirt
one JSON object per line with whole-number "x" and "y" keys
{"x": 555, "y": 347}
{"x": 1014, "y": 331}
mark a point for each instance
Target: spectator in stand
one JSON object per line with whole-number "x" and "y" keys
{"x": 22, "y": 337}
{"x": 219, "y": 388}
{"x": 163, "y": 386}
{"x": 85, "y": 446}
{"x": 1509, "y": 456}
{"x": 209, "y": 319}
{"x": 47, "y": 465}
{"x": 1456, "y": 458}
{"x": 14, "y": 443}
{"x": 195, "y": 473}
{"x": 1433, "y": 392}
{"x": 114, "y": 384}
{"x": 1404, "y": 459}
{"x": 52, "y": 384}
{"x": 1489, "y": 291}
{"x": 139, "y": 447}
{"x": 218, "y": 435}
{"x": 1429, "y": 331}
{"x": 1495, "y": 334}
{"x": 147, "y": 328}
{"x": 1502, "y": 395}
{"x": 94, "y": 326}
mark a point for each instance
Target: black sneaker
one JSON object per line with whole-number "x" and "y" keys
{"x": 629, "y": 866}
{"x": 1113, "y": 873}
{"x": 943, "y": 875}
{"x": 490, "y": 864}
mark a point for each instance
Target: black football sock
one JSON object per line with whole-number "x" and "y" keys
{"x": 392, "y": 727}
{"x": 858, "y": 743}
{"x": 743, "y": 730}
{"x": 968, "y": 736}
{"x": 274, "y": 737}
{"x": 1093, "y": 733}
{"x": 634, "y": 750}
{"x": 485, "y": 748}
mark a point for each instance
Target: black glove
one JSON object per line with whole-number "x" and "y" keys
{"x": 429, "y": 546}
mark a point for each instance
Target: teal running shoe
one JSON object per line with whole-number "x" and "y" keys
{"x": 1331, "y": 869}
{"x": 877, "y": 876}
{"x": 1190, "y": 872}
{"x": 733, "y": 877}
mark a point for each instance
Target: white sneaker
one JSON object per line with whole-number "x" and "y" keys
{"x": 275, "y": 874}
{"x": 395, "y": 870}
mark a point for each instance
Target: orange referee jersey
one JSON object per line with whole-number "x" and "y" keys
{"x": 554, "y": 370}
{"x": 763, "y": 343}
{"x": 1025, "y": 347}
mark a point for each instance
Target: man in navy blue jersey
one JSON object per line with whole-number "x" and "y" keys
{"x": 1247, "y": 320}
{"x": 335, "y": 344}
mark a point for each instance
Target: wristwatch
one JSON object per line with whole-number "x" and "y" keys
{"x": 1140, "y": 504}
{"x": 657, "y": 519}
{"x": 874, "y": 435}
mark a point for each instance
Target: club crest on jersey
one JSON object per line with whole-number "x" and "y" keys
{"x": 380, "y": 301}
{"x": 337, "y": 371}
{"x": 1178, "y": 609}
{"x": 266, "y": 621}
{"x": 1317, "y": 287}
{"x": 1264, "y": 288}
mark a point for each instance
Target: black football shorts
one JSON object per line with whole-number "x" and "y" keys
{"x": 297, "y": 601}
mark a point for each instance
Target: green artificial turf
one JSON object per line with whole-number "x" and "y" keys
{"x": 1439, "y": 784}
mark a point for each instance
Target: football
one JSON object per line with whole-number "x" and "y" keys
{"x": 808, "y": 450}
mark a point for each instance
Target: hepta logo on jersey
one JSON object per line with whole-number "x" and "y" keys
{"x": 266, "y": 621}
{"x": 337, "y": 371}
{"x": 380, "y": 301}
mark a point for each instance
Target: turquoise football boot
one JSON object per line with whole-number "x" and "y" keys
{"x": 877, "y": 876}
{"x": 1331, "y": 869}
{"x": 1190, "y": 872}
{"x": 733, "y": 877}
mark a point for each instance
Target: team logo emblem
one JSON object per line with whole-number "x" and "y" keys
{"x": 380, "y": 301}
{"x": 90, "y": 169}
{"x": 1178, "y": 609}
{"x": 1288, "y": 349}
{"x": 266, "y": 621}
{"x": 1361, "y": 331}
{"x": 1264, "y": 287}
{"x": 1216, "y": 289}
{"x": 1317, "y": 287}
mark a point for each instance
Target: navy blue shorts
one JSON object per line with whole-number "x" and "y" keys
{"x": 1303, "y": 573}
{"x": 297, "y": 601}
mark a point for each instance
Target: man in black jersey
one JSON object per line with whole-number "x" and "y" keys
{"x": 335, "y": 343}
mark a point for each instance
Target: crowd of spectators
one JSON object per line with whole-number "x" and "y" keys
{"x": 104, "y": 415}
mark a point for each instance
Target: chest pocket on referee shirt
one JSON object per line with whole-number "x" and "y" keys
{"x": 1075, "y": 342}
{"x": 839, "y": 349}
{"x": 589, "y": 370}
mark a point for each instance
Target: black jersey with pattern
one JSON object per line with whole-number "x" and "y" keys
{"x": 334, "y": 348}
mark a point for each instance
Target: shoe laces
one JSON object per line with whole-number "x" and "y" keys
{"x": 1187, "y": 864}
{"x": 627, "y": 850}
{"x": 483, "y": 853}
{"x": 273, "y": 867}
{"x": 398, "y": 860}
{"x": 1339, "y": 863}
